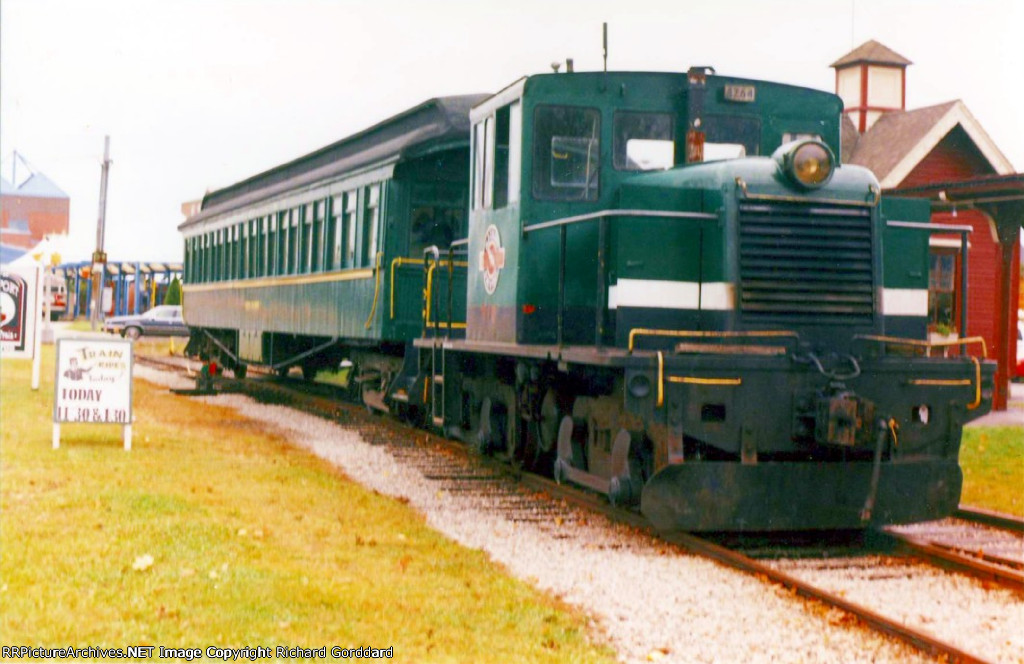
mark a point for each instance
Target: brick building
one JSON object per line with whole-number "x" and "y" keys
{"x": 942, "y": 153}
{"x": 31, "y": 207}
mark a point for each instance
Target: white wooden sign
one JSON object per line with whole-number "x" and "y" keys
{"x": 93, "y": 384}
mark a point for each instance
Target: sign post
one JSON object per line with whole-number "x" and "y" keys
{"x": 93, "y": 384}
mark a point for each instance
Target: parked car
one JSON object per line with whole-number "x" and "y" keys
{"x": 162, "y": 321}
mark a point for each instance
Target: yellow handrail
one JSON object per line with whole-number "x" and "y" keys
{"x": 927, "y": 345}
{"x": 376, "y": 290}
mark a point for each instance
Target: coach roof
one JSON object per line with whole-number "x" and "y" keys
{"x": 433, "y": 124}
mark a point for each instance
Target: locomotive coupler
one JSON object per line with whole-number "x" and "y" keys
{"x": 842, "y": 417}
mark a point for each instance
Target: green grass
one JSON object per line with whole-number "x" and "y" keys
{"x": 993, "y": 463}
{"x": 252, "y": 541}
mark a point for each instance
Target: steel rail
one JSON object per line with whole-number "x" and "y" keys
{"x": 989, "y": 518}
{"x": 947, "y": 558}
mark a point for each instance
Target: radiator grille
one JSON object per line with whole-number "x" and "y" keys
{"x": 802, "y": 263}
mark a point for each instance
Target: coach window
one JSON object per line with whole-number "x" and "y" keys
{"x": 280, "y": 242}
{"x": 337, "y": 232}
{"x": 264, "y": 223}
{"x": 211, "y": 257}
{"x": 351, "y": 208}
{"x": 371, "y": 217}
{"x": 201, "y": 242}
{"x": 643, "y": 141}
{"x": 306, "y": 231}
{"x": 295, "y": 241}
{"x": 235, "y": 269}
{"x": 438, "y": 216}
{"x": 254, "y": 242}
{"x": 215, "y": 254}
{"x": 226, "y": 254}
{"x": 566, "y": 153}
{"x": 316, "y": 241}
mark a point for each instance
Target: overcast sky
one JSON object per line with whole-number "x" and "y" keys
{"x": 198, "y": 94}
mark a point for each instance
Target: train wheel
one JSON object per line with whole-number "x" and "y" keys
{"x": 572, "y": 443}
{"x": 540, "y": 435}
{"x": 631, "y": 467}
{"x": 309, "y": 372}
{"x": 240, "y": 370}
{"x": 282, "y": 372}
{"x": 492, "y": 431}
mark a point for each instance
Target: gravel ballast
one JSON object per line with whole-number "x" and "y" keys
{"x": 649, "y": 601}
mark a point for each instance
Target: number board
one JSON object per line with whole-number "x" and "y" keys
{"x": 741, "y": 93}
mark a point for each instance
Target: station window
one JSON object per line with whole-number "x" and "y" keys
{"x": 371, "y": 218}
{"x": 643, "y": 141}
{"x": 944, "y": 266}
{"x": 566, "y": 153}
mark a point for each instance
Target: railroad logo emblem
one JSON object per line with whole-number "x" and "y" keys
{"x": 492, "y": 259}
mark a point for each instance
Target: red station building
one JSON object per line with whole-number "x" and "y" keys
{"x": 942, "y": 153}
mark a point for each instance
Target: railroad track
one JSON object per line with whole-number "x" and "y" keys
{"x": 526, "y": 497}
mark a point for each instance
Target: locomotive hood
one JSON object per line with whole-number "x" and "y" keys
{"x": 675, "y": 188}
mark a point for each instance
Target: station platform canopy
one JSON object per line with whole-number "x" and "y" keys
{"x": 129, "y": 287}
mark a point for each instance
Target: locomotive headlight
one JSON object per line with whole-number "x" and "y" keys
{"x": 809, "y": 164}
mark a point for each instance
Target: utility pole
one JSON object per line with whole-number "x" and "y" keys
{"x": 99, "y": 257}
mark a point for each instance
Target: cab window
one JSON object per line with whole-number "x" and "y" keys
{"x": 497, "y": 158}
{"x": 566, "y": 153}
{"x": 643, "y": 141}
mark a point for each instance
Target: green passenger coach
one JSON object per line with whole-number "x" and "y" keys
{"x": 661, "y": 286}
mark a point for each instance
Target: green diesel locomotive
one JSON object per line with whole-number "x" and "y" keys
{"x": 661, "y": 286}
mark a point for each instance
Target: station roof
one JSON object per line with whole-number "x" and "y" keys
{"x": 872, "y": 52}
{"x": 36, "y": 186}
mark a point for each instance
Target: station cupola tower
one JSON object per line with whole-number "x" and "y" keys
{"x": 871, "y": 80}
